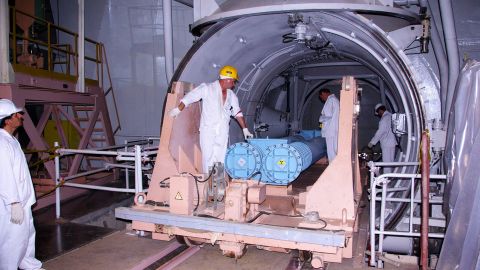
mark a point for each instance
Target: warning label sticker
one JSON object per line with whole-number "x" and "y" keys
{"x": 178, "y": 196}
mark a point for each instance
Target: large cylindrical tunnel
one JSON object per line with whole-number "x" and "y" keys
{"x": 286, "y": 55}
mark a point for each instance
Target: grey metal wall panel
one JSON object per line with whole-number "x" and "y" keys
{"x": 461, "y": 246}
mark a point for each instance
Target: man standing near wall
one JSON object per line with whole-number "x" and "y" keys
{"x": 17, "y": 233}
{"x": 329, "y": 121}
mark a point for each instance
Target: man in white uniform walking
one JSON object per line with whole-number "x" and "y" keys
{"x": 329, "y": 121}
{"x": 17, "y": 233}
{"x": 219, "y": 103}
{"x": 384, "y": 134}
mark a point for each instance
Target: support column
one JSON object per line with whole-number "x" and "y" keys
{"x": 168, "y": 38}
{"x": 6, "y": 71}
{"x": 81, "y": 47}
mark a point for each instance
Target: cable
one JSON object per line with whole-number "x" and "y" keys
{"x": 256, "y": 216}
{"x": 165, "y": 179}
{"x": 206, "y": 216}
{"x": 62, "y": 181}
{"x": 259, "y": 179}
{"x": 200, "y": 181}
{"x": 289, "y": 37}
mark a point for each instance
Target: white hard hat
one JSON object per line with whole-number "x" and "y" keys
{"x": 7, "y": 108}
{"x": 377, "y": 107}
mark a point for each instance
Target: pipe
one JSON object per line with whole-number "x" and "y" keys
{"x": 123, "y": 166}
{"x": 448, "y": 24}
{"x": 81, "y": 47}
{"x": 127, "y": 180}
{"x": 425, "y": 200}
{"x": 57, "y": 178}
{"x": 6, "y": 71}
{"x": 76, "y": 185}
{"x": 410, "y": 234}
{"x": 84, "y": 174}
{"x": 65, "y": 152}
{"x": 168, "y": 38}
{"x": 406, "y": 2}
{"x": 439, "y": 51}
{"x": 138, "y": 169}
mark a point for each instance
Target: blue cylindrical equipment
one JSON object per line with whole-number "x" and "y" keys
{"x": 283, "y": 163}
{"x": 244, "y": 160}
{"x": 273, "y": 161}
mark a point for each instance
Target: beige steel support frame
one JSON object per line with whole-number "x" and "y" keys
{"x": 334, "y": 195}
{"x": 179, "y": 147}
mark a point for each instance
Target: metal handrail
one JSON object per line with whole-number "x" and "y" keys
{"x": 51, "y": 48}
{"x": 382, "y": 181}
{"x": 110, "y": 89}
{"x": 138, "y": 156}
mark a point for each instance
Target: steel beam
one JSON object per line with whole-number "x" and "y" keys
{"x": 319, "y": 237}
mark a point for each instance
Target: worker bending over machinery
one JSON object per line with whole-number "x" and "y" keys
{"x": 17, "y": 233}
{"x": 384, "y": 134}
{"x": 219, "y": 104}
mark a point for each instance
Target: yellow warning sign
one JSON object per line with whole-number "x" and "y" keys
{"x": 178, "y": 196}
{"x": 281, "y": 162}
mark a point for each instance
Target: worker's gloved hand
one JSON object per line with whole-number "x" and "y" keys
{"x": 17, "y": 213}
{"x": 370, "y": 145}
{"x": 174, "y": 112}
{"x": 247, "y": 134}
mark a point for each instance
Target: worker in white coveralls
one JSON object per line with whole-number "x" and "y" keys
{"x": 219, "y": 103}
{"x": 17, "y": 233}
{"x": 384, "y": 134}
{"x": 329, "y": 121}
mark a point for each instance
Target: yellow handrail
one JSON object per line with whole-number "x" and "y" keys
{"x": 54, "y": 50}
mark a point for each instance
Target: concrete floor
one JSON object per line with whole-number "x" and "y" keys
{"x": 123, "y": 250}
{"x": 70, "y": 245}
{"x": 118, "y": 251}
{"x": 210, "y": 257}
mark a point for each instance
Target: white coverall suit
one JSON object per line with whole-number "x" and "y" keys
{"x": 215, "y": 119}
{"x": 387, "y": 139}
{"x": 17, "y": 241}
{"x": 329, "y": 120}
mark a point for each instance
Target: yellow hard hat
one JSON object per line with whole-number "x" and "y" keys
{"x": 229, "y": 72}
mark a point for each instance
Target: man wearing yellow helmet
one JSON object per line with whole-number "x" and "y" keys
{"x": 219, "y": 103}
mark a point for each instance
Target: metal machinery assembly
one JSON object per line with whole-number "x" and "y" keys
{"x": 319, "y": 219}
{"x": 351, "y": 48}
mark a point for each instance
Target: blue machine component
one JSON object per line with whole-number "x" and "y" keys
{"x": 309, "y": 134}
{"x": 282, "y": 163}
{"x": 273, "y": 161}
{"x": 244, "y": 160}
